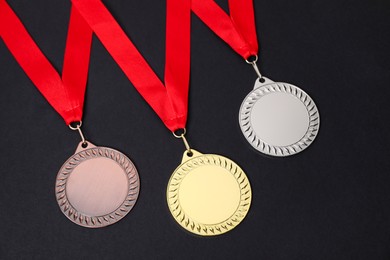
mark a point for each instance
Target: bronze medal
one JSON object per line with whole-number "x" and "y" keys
{"x": 97, "y": 186}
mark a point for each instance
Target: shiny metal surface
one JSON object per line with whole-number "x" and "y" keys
{"x": 279, "y": 119}
{"x": 208, "y": 194}
{"x": 97, "y": 186}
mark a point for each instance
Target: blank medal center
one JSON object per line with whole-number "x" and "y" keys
{"x": 209, "y": 194}
{"x": 97, "y": 187}
{"x": 280, "y": 119}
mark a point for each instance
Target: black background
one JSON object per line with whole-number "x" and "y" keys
{"x": 331, "y": 201}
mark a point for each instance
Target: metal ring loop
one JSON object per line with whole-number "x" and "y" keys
{"x": 80, "y": 123}
{"x": 179, "y": 136}
{"x": 78, "y": 128}
{"x": 254, "y": 61}
{"x": 182, "y": 136}
{"x": 254, "y": 65}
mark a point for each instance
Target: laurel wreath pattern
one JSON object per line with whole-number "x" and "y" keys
{"x": 206, "y": 229}
{"x": 104, "y": 220}
{"x": 260, "y": 145}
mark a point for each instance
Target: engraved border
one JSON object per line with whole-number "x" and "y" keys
{"x": 97, "y": 221}
{"x": 260, "y": 145}
{"x": 208, "y": 229}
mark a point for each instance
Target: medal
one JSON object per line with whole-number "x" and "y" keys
{"x": 97, "y": 186}
{"x": 207, "y": 194}
{"x": 276, "y": 118}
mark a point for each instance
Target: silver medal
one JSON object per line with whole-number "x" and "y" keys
{"x": 278, "y": 119}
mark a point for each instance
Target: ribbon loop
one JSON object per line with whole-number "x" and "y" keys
{"x": 238, "y": 30}
{"x": 65, "y": 95}
{"x": 169, "y": 101}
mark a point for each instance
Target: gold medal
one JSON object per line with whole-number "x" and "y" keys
{"x": 208, "y": 194}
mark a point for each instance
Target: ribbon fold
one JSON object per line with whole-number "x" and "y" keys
{"x": 238, "y": 30}
{"x": 169, "y": 100}
{"x": 65, "y": 94}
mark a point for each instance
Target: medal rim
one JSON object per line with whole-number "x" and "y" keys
{"x": 128, "y": 203}
{"x": 278, "y": 87}
{"x": 194, "y": 226}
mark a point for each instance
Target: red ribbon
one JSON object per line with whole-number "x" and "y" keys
{"x": 170, "y": 102}
{"x": 65, "y": 95}
{"x": 238, "y": 30}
